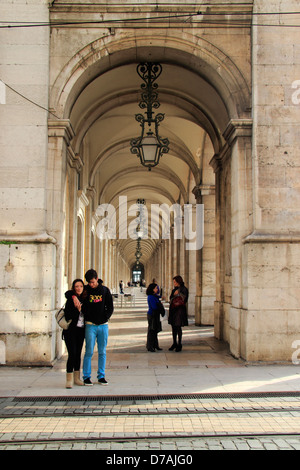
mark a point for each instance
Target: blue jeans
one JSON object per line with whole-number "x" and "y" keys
{"x": 93, "y": 333}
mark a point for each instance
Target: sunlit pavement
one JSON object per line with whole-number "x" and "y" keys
{"x": 204, "y": 365}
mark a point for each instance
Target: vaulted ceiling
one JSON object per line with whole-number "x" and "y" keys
{"x": 103, "y": 118}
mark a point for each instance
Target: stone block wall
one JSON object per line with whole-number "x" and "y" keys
{"x": 27, "y": 258}
{"x": 270, "y": 321}
{"x": 27, "y": 295}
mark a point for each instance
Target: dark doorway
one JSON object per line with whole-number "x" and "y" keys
{"x": 137, "y": 274}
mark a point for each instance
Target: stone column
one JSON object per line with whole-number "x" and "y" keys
{"x": 205, "y": 259}
{"x": 168, "y": 267}
{"x": 233, "y": 223}
{"x": 218, "y": 306}
{"x": 270, "y": 321}
{"x": 90, "y": 194}
{"x": 61, "y": 159}
{"x": 27, "y": 249}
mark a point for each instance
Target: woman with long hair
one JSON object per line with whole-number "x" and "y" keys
{"x": 74, "y": 335}
{"x": 178, "y": 312}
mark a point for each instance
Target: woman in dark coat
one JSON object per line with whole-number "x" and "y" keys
{"x": 74, "y": 335}
{"x": 177, "y": 312}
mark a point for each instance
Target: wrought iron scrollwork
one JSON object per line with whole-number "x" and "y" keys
{"x": 149, "y": 73}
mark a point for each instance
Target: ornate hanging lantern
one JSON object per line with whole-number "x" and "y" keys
{"x": 149, "y": 147}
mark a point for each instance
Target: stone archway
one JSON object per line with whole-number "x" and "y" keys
{"x": 213, "y": 99}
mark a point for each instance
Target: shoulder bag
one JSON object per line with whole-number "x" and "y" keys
{"x": 177, "y": 301}
{"x": 61, "y": 319}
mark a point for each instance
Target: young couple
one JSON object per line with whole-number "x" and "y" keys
{"x": 89, "y": 308}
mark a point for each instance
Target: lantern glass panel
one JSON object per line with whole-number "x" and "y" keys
{"x": 150, "y": 148}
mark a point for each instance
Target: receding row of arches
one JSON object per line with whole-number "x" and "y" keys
{"x": 206, "y": 101}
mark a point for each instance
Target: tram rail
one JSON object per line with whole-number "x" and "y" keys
{"x": 207, "y": 414}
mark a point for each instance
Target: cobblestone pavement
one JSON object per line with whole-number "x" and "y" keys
{"x": 181, "y": 445}
{"x": 266, "y": 422}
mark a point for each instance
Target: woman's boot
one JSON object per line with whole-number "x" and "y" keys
{"x": 69, "y": 381}
{"x": 77, "y": 380}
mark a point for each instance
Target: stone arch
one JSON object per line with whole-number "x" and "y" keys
{"x": 197, "y": 56}
{"x": 100, "y": 55}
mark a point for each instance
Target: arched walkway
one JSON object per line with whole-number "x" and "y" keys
{"x": 204, "y": 97}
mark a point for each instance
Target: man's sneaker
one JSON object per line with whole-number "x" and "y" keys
{"x": 102, "y": 381}
{"x": 88, "y": 382}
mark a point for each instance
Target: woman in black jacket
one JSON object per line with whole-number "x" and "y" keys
{"x": 177, "y": 312}
{"x": 74, "y": 335}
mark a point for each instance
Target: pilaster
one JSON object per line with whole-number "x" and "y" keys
{"x": 205, "y": 258}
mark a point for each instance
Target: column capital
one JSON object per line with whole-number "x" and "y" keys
{"x": 236, "y": 128}
{"x": 61, "y": 128}
{"x": 91, "y": 191}
{"x": 203, "y": 190}
{"x": 74, "y": 159}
